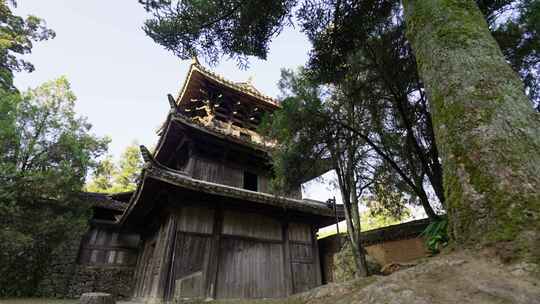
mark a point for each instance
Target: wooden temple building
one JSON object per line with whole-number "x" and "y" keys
{"x": 202, "y": 222}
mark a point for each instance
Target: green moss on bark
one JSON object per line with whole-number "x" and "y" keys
{"x": 487, "y": 133}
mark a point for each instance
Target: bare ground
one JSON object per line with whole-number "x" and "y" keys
{"x": 460, "y": 277}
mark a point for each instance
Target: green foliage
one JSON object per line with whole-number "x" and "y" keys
{"x": 436, "y": 235}
{"x": 188, "y": 28}
{"x": 113, "y": 178}
{"x": 16, "y": 36}
{"x": 46, "y": 153}
{"x": 378, "y": 219}
{"x": 309, "y": 139}
{"x": 296, "y": 127}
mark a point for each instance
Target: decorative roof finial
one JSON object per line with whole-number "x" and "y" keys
{"x": 250, "y": 79}
{"x": 146, "y": 155}
{"x": 172, "y": 102}
{"x": 195, "y": 60}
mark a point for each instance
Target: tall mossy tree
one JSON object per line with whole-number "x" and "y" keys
{"x": 488, "y": 134}
{"x": 46, "y": 153}
{"x": 239, "y": 29}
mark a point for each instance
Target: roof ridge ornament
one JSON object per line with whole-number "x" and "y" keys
{"x": 172, "y": 102}
{"x": 146, "y": 155}
{"x": 195, "y": 60}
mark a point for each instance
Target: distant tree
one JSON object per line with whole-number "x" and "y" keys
{"x": 102, "y": 177}
{"x": 16, "y": 37}
{"x": 130, "y": 167}
{"x": 113, "y": 178}
{"x": 47, "y": 151}
{"x": 374, "y": 220}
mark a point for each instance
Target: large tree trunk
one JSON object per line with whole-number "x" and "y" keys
{"x": 487, "y": 132}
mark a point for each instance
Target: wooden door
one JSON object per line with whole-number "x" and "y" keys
{"x": 190, "y": 263}
{"x": 304, "y": 265}
{"x": 250, "y": 269}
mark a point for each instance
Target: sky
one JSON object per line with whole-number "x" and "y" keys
{"x": 122, "y": 78}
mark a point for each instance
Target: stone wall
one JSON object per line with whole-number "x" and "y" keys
{"x": 65, "y": 278}
{"x": 62, "y": 266}
{"x": 344, "y": 267}
{"x": 114, "y": 280}
{"x": 392, "y": 244}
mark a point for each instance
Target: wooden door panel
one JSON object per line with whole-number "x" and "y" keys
{"x": 190, "y": 259}
{"x": 250, "y": 269}
{"x": 304, "y": 276}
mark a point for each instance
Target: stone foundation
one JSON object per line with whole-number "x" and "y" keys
{"x": 65, "y": 278}
{"x": 114, "y": 280}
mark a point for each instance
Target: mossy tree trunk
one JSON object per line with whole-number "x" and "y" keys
{"x": 486, "y": 129}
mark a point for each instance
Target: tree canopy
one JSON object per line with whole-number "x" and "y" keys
{"x": 46, "y": 153}
{"x": 16, "y": 37}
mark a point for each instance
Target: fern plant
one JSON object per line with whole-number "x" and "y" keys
{"x": 436, "y": 235}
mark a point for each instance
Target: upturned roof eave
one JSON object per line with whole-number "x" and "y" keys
{"x": 156, "y": 171}
{"x": 245, "y": 90}
{"x": 178, "y": 118}
{"x": 185, "y": 181}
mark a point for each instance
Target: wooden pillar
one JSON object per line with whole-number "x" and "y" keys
{"x": 316, "y": 258}
{"x": 287, "y": 271}
{"x": 213, "y": 257}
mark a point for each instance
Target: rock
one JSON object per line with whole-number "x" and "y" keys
{"x": 97, "y": 298}
{"x": 393, "y": 267}
{"x": 523, "y": 269}
{"x": 345, "y": 267}
{"x": 457, "y": 277}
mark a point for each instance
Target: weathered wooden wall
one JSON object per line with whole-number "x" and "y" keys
{"x": 201, "y": 252}
{"x": 192, "y": 252}
{"x": 226, "y": 173}
{"x": 151, "y": 274}
{"x": 108, "y": 247}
